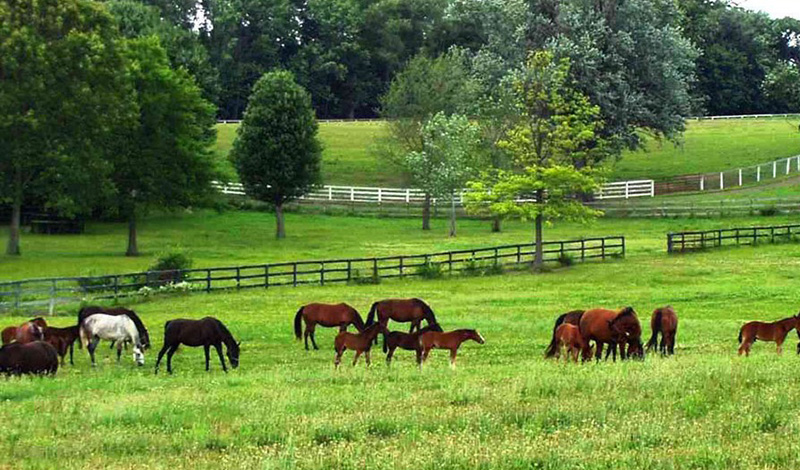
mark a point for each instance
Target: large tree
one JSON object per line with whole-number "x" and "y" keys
{"x": 61, "y": 92}
{"x": 276, "y": 151}
{"x": 164, "y": 159}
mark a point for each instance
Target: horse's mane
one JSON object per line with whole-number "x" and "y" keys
{"x": 227, "y": 336}
{"x": 625, "y": 312}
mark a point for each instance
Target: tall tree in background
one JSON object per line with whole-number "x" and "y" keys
{"x": 164, "y": 160}
{"x": 276, "y": 151}
{"x": 60, "y": 94}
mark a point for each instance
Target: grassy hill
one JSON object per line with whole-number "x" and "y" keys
{"x": 350, "y": 153}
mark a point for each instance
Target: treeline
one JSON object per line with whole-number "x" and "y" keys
{"x": 346, "y": 52}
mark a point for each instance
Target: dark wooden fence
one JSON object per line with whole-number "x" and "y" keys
{"x": 680, "y": 242}
{"x": 47, "y": 293}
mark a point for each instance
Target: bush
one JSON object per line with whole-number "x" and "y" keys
{"x": 768, "y": 211}
{"x": 493, "y": 269}
{"x": 471, "y": 268}
{"x": 356, "y": 277}
{"x": 565, "y": 260}
{"x": 430, "y": 270}
{"x": 169, "y": 267}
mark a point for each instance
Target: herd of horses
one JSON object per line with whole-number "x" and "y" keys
{"x": 35, "y": 347}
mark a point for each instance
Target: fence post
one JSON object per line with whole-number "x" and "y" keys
{"x": 583, "y": 249}
{"x": 702, "y": 182}
{"x": 208, "y": 280}
{"x": 652, "y": 188}
{"x": 740, "y": 176}
{"x": 238, "y": 277}
{"x": 116, "y": 286}
{"x": 758, "y": 174}
{"x": 623, "y": 246}
{"x": 450, "y": 261}
{"x": 561, "y": 250}
{"x": 719, "y": 238}
{"x": 603, "y": 248}
{"x": 375, "y": 268}
{"x": 322, "y": 273}
{"x": 775, "y": 169}
{"x": 721, "y": 180}
{"x": 17, "y": 295}
{"x": 266, "y": 276}
{"x": 349, "y": 269}
{"x": 400, "y": 265}
{"x": 627, "y": 190}
{"x": 53, "y": 297}
{"x": 496, "y": 256}
{"x": 379, "y": 195}
{"x": 294, "y": 274}
{"x": 788, "y": 165}
{"x": 330, "y": 193}
{"x": 352, "y": 194}
{"x": 519, "y": 254}
{"x": 669, "y": 243}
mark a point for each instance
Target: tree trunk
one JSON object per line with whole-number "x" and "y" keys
{"x": 496, "y": 224}
{"x": 133, "y": 248}
{"x": 13, "y": 234}
{"x": 453, "y": 214}
{"x": 426, "y": 213}
{"x": 280, "y": 228}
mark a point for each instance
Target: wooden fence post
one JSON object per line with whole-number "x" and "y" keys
{"x": 208, "y": 280}
{"x": 623, "y": 246}
{"x": 583, "y": 249}
{"x": 53, "y": 291}
{"x": 294, "y": 274}
{"x": 450, "y": 262}
{"x": 758, "y": 174}
{"x": 349, "y": 270}
{"x": 266, "y": 276}
{"x": 322, "y": 273}
{"x": 238, "y": 277}
{"x": 375, "y": 273}
{"x": 519, "y": 254}
{"x": 603, "y": 248}
{"x": 400, "y": 265}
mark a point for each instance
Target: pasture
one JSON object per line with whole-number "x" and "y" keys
{"x": 504, "y": 406}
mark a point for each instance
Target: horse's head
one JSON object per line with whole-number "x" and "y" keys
{"x": 636, "y": 349}
{"x": 432, "y": 327}
{"x": 138, "y": 355}
{"x": 475, "y": 336}
{"x": 233, "y": 354}
{"x": 37, "y": 332}
{"x": 39, "y": 321}
{"x": 587, "y": 352}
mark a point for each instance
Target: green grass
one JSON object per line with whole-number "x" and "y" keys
{"x": 504, "y": 407}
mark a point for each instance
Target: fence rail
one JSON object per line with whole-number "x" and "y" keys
{"x": 49, "y": 292}
{"x": 740, "y": 116}
{"x": 727, "y": 179}
{"x": 700, "y": 208}
{"x": 680, "y": 242}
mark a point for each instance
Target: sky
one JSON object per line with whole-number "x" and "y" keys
{"x": 774, "y": 8}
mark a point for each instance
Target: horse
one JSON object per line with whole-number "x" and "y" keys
{"x": 612, "y": 327}
{"x": 360, "y": 343}
{"x": 408, "y": 341}
{"x": 327, "y": 315}
{"x": 62, "y": 339}
{"x": 450, "y": 340}
{"x": 568, "y": 336}
{"x": 664, "y": 321}
{"x": 144, "y": 336}
{"x": 26, "y": 332}
{"x": 205, "y": 332}
{"x": 401, "y": 310}
{"x": 36, "y": 357}
{"x": 119, "y": 328}
{"x": 572, "y": 318}
{"x": 775, "y": 331}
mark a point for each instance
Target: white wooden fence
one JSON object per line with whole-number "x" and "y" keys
{"x": 740, "y": 116}
{"x": 619, "y": 190}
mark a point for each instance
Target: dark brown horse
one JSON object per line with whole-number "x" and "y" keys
{"x": 25, "y": 333}
{"x": 36, "y": 357}
{"x": 62, "y": 339}
{"x": 612, "y": 327}
{"x": 360, "y": 343}
{"x": 327, "y": 315}
{"x": 401, "y": 310}
{"x": 408, "y": 341}
{"x": 205, "y": 332}
{"x": 775, "y": 331}
{"x": 144, "y": 336}
{"x": 568, "y": 337}
{"x": 450, "y": 340}
{"x": 664, "y": 321}
{"x": 572, "y": 318}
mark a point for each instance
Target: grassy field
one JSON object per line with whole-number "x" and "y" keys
{"x": 350, "y": 156}
{"x": 504, "y": 407}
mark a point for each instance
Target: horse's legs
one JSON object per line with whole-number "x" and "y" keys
{"x": 171, "y": 351}
{"x": 70, "y": 353}
{"x": 366, "y": 357}
{"x": 779, "y": 341}
{"x": 623, "y": 354}
{"x": 207, "y": 349}
{"x": 218, "y": 347}
{"x": 91, "y": 347}
{"x": 355, "y": 359}
{"x": 389, "y": 355}
{"x": 671, "y": 344}
{"x": 338, "y": 359}
{"x": 453, "y": 353}
{"x": 313, "y": 342}
{"x": 598, "y": 353}
{"x": 307, "y": 333}
{"x": 160, "y": 355}
{"x": 119, "y": 351}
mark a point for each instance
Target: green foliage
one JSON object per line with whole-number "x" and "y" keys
{"x": 566, "y": 260}
{"x": 430, "y": 270}
{"x": 172, "y": 261}
{"x": 359, "y": 278}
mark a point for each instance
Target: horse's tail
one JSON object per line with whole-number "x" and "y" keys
{"x": 84, "y": 338}
{"x": 298, "y": 327}
{"x": 373, "y": 310}
{"x": 427, "y": 310}
{"x": 742, "y": 330}
{"x": 655, "y": 326}
{"x": 551, "y": 348}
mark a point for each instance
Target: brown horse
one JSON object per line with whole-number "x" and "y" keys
{"x": 360, "y": 343}
{"x": 327, "y": 315}
{"x": 572, "y": 318}
{"x": 568, "y": 336}
{"x": 612, "y": 327}
{"x": 62, "y": 339}
{"x": 206, "y": 332}
{"x": 450, "y": 340}
{"x": 775, "y": 331}
{"x": 408, "y": 341}
{"x": 403, "y": 311}
{"x": 664, "y": 321}
{"x": 36, "y": 357}
{"x": 27, "y": 332}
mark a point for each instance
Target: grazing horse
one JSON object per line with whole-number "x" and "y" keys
{"x": 572, "y": 318}
{"x": 664, "y": 321}
{"x": 327, "y": 315}
{"x": 36, "y": 357}
{"x": 775, "y": 331}
{"x": 612, "y": 327}
{"x": 205, "y": 332}
{"x": 119, "y": 328}
{"x": 62, "y": 339}
{"x": 568, "y": 336}
{"x": 360, "y": 343}
{"x": 144, "y": 336}
{"x": 450, "y": 340}
{"x": 408, "y": 341}
{"x": 401, "y": 310}
{"x": 27, "y": 332}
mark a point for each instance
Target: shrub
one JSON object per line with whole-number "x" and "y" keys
{"x": 357, "y": 277}
{"x": 471, "y": 268}
{"x": 565, "y": 260}
{"x": 493, "y": 269}
{"x": 430, "y": 270}
{"x": 768, "y": 211}
{"x": 169, "y": 269}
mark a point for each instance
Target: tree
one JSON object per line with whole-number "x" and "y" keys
{"x": 276, "y": 151}
{"x": 557, "y": 126}
{"x": 449, "y": 158}
{"x": 60, "y": 95}
{"x": 164, "y": 160}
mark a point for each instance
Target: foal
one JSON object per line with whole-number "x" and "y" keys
{"x": 62, "y": 339}
{"x": 775, "y": 331}
{"x": 360, "y": 342}
{"x": 408, "y": 341}
{"x": 569, "y": 337}
{"x": 450, "y": 340}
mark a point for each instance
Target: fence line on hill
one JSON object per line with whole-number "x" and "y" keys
{"x": 680, "y": 242}
{"x": 740, "y": 116}
{"x": 49, "y": 292}
{"x": 720, "y": 208}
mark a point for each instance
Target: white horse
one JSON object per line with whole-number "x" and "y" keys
{"x": 119, "y": 328}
